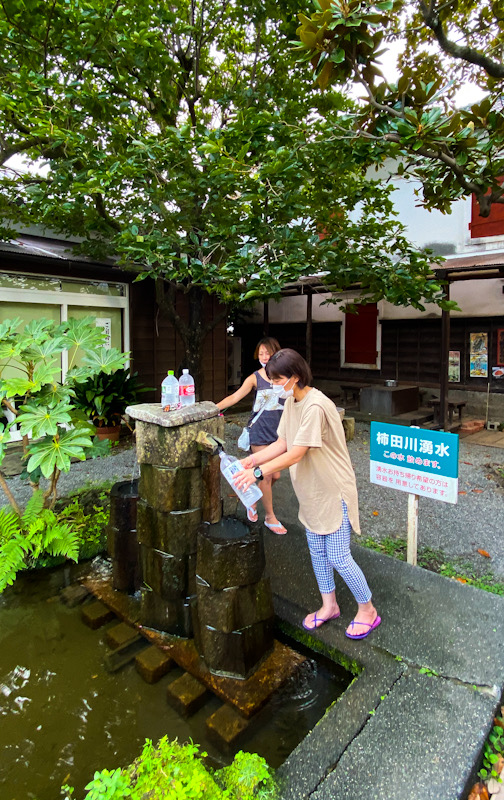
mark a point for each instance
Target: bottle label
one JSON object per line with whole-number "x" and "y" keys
{"x": 232, "y": 469}
{"x": 187, "y": 389}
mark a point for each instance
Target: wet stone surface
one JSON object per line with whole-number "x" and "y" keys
{"x": 235, "y": 654}
{"x": 186, "y": 695}
{"x": 229, "y": 561}
{"x": 236, "y": 607}
{"x": 123, "y": 505}
{"x": 225, "y": 728}
{"x": 126, "y": 575}
{"x": 174, "y": 446}
{"x": 152, "y": 664}
{"x": 170, "y": 616}
{"x": 172, "y": 532}
{"x": 166, "y": 489}
{"x": 165, "y": 574}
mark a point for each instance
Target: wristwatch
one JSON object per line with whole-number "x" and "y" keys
{"x": 258, "y": 473}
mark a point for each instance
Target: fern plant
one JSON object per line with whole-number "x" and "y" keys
{"x": 23, "y": 539}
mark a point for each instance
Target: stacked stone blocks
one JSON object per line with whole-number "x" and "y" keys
{"x": 169, "y": 511}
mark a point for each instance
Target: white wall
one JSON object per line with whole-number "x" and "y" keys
{"x": 477, "y": 298}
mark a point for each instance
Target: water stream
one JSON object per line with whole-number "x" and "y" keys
{"x": 63, "y": 716}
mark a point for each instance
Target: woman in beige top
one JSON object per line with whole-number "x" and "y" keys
{"x": 311, "y": 442}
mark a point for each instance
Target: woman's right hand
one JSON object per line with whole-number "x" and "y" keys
{"x": 248, "y": 462}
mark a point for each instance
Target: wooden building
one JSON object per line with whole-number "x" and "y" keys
{"x": 41, "y": 277}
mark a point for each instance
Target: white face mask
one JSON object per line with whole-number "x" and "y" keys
{"x": 281, "y": 392}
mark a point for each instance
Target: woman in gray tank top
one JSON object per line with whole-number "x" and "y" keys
{"x": 263, "y": 424}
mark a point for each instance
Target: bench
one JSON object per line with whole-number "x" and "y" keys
{"x": 452, "y": 406}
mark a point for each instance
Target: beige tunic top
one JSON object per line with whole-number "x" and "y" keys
{"x": 325, "y": 475}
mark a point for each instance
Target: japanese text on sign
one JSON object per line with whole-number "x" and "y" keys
{"x": 417, "y": 461}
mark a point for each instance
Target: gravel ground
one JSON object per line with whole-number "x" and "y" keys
{"x": 475, "y": 522}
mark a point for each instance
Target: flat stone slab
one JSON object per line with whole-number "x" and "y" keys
{"x": 186, "y": 695}
{"x": 153, "y": 413}
{"x": 421, "y": 743}
{"x": 153, "y": 664}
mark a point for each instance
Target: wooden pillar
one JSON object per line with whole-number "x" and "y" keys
{"x": 445, "y": 352}
{"x": 265, "y": 318}
{"x": 309, "y": 326}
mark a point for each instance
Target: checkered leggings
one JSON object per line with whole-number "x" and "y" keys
{"x": 331, "y": 552}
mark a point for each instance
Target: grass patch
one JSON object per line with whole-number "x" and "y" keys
{"x": 437, "y": 561}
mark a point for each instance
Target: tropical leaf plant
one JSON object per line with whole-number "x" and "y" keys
{"x": 23, "y": 539}
{"x": 54, "y": 429}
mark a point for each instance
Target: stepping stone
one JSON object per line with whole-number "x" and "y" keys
{"x": 152, "y": 664}
{"x": 73, "y": 595}
{"x": 119, "y": 635}
{"x": 225, "y": 728}
{"x": 96, "y": 614}
{"x": 118, "y": 658}
{"x": 186, "y": 695}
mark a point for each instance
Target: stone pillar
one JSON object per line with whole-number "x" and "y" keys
{"x": 170, "y": 507}
{"x": 233, "y": 628}
{"x": 122, "y": 542}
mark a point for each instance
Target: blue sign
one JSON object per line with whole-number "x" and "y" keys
{"x": 415, "y": 460}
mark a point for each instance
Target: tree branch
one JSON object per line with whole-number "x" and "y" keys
{"x": 10, "y": 496}
{"x": 23, "y": 146}
{"x": 165, "y": 300}
{"x": 465, "y": 53}
{"x": 102, "y": 211}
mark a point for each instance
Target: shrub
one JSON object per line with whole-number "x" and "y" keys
{"x": 170, "y": 771}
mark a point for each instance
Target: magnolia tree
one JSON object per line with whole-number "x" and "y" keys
{"x": 180, "y": 139}
{"x": 443, "y": 47}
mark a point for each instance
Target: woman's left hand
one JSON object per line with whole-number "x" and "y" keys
{"x": 245, "y": 479}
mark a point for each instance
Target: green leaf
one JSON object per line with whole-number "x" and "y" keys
{"x": 105, "y": 360}
{"x": 39, "y": 420}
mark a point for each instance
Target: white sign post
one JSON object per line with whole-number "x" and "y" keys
{"x": 422, "y": 463}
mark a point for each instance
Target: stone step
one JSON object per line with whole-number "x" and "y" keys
{"x": 152, "y": 664}
{"x": 120, "y": 635}
{"x": 186, "y": 695}
{"x": 74, "y": 595}
{"x": 96, "y": 614}
{"x": 125, "y": 653}
{"x": 226, "y": 728}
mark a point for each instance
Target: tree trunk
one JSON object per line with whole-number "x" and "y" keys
{"x": 193, "y": 332}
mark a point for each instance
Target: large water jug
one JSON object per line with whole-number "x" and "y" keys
{"x": 230, "y": 467}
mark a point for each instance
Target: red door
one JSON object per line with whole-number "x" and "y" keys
{"x": 360, "y": 335}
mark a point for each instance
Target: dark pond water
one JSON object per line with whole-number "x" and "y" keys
{"x": 63, "y": 716}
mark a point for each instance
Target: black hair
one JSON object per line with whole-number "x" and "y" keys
{"x": 288, "y": 362}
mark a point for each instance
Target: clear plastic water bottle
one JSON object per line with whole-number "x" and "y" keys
{"x": 170, "y": 391}
{"x": 186, "y": 389}
{"x": 230, "y": 467}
